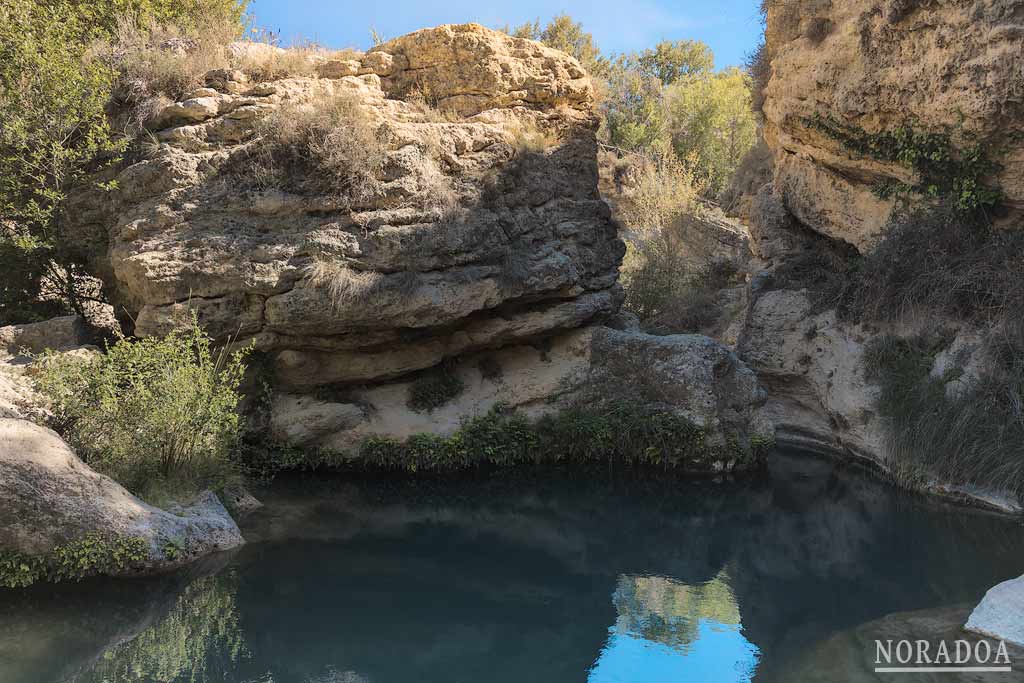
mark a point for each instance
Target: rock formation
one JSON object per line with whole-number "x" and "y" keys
{"x": 481, "y": 232}
{"x": 858, "y": 93}
{"x": 878, "y": 66}
{"x": 469, "y": 239}
{"x": 49, "y": 498}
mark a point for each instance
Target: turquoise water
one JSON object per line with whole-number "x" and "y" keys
{"x": 528, "y": 576}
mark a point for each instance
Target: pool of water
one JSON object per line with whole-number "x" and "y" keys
{"x": 535, "y": 576}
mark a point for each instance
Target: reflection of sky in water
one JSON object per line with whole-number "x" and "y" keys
{"x": 670, "y": 631}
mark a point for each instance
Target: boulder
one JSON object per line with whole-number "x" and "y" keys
{"x": 486, "y": 227}
{"x": 49, "y": 498}
{"x": 1000, "y": 614}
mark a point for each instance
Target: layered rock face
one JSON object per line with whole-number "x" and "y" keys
{"x": 480, "y": 237}
{"x": 475, "y": 234}
{"x": 871, "y": 71}
{"x": 940, "y": 67}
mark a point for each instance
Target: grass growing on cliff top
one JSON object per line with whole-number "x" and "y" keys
{"x": 157, "y": 415}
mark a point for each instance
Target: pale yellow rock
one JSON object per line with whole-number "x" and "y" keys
{"x": 937, "y": 67}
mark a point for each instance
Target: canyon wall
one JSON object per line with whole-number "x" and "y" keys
{"x": 867, "y": 67}
{"x": 872, "y": 108}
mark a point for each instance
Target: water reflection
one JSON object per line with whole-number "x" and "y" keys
{"x": 199, "y": 640}
{"x": 670, "y": 631}
{"x": 535, "y": 576}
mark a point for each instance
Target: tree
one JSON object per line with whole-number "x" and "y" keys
{"x": 632, "y": 106}
{"x": 671, "y": 61}
{"x": 711, "y": 124}
{"x": 562, "y": 33}
{"x": 55, "y": 132}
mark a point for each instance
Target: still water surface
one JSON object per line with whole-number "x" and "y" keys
{"x": 535, "y": 577}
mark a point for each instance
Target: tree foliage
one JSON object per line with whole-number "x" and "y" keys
{"x": 711, "y": 124}
{"x": 56, "y": 133}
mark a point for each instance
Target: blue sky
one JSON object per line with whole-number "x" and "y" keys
{"x": 731, "y": 27}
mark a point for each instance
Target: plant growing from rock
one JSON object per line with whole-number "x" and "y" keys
{"x": 158, "y": 414}
{"x": 327, "y": 145}
{"x": 434, "y": 388}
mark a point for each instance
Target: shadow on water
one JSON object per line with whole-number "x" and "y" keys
{"x": 531, "y": 575}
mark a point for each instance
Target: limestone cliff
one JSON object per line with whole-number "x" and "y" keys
{"x": 949, "y": 67}
{"x": 483, "y": 225}
{"x": 473, "y": 235}
{"x": 864, "y": 97}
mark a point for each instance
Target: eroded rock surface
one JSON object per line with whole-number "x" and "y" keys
{"x": 473, "y": 238}
{"x": 936, "y": 67}
{"x": 689, "y": 375}
{"x": 49, "y": 498}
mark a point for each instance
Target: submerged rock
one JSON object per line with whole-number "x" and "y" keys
{"x": 1000, "y": 614}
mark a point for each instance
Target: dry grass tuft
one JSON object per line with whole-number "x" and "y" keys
{"x": 347, "y": 287}
{"x": 330, "y": 144}
{"x": 667, "y": 286}
{"x": 530, "y": 137}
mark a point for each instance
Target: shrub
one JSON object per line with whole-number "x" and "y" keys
{"x": 670, "y": 287}
{"x": 615, "y": 432}
{"x": 346, "y": 287}
{"x": 710, "y": 124}
{"x": 528, "y": 136}
{"x": 330, "y": 144}
{"x": 91, "y": 555}
{"x": 434, "y": 388}
{"x": 157, "y": 64}
{"x": 973, "y": 437}
{"x": 818, "y": 29}
{"x": 759, "y": 68}
{"x": 942, "y": 262}
{"x": 157, "y": 415}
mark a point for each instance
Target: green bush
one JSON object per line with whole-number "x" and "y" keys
{"x": 157, "y": 415}
{"x": 434, "y": 388}
{"x": 972, "y": 437}
{"x": 91, "y": 555}
{"x": 942, "y": 262}
{"x": 329, "y": 145}
{"x": 615, "y": 432}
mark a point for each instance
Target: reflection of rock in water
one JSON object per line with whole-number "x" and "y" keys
{"x": 664, "y": 611}
{"x": 335, "y": 676}
{"x": 198, "y": 641}
{"x": 850, "y": 655}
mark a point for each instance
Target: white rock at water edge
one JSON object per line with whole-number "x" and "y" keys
{"x": 1000, "y": 614}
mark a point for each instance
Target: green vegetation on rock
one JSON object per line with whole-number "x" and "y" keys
{"x": 91, "y": 555}
{"x": 434, "y": 388}
{"x": 956, "y": 175}
{"x": 974, "y": 435}
{"x": 54, "y": 97}
{"x": 619, "y": 432}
